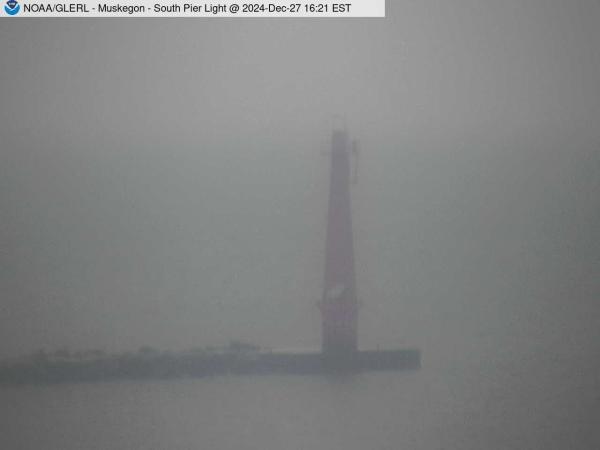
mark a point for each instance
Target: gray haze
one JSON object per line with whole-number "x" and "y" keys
{"x": 163, "y": 183}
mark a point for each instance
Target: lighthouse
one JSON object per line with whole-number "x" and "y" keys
{"x": 339, "y": 331}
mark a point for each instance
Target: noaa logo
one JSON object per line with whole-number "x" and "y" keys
{"x": 12, "y": 7}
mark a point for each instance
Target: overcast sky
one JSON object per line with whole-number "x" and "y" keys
{"x": 163, "y": 182}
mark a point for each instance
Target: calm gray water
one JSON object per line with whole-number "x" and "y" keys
{"x": 536, "y": 400}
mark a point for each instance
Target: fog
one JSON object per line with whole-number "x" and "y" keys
{"x": 164, "y": 182}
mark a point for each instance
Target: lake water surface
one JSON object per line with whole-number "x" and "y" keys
{"x": 541, "y": 402}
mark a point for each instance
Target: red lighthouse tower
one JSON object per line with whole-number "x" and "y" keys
{"x": 339, "y": 303}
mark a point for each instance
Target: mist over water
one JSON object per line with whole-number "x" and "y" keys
{"x": 164, "y": 183}
{"x": 435, "y": 408}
